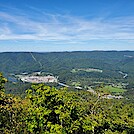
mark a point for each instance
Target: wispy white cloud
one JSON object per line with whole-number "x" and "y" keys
{"x": 63, "y": 28}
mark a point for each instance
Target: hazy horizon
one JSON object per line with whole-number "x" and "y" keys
{"x": 67, "y": 51}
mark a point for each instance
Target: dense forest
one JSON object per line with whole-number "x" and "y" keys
{"x": 61, "y": 63}
{"x": 72, "y": 68}
{"x": 56, "y": 62}
{"x": 48, "y": 110}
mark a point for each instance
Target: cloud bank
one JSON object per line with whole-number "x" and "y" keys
{"x": 59, "y": 28}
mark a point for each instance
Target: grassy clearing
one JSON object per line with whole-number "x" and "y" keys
{"x": 86, "y": 70}
{"x": 112, "y": 89}
{"x": 76, "y": 84}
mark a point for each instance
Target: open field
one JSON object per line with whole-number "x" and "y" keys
{"x": 112, "y": 89}
{"x": 86, "y": 70}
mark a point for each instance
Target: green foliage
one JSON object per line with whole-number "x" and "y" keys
{"x": 17, "y": 88}
{"x": 110, "y": 62}
{"x": 112, "y": 89}
{"x": 43, "y": 111}
{"x": 47, "y": 110}
{"x": 2, "y": 82}
{"x": 52, "y": 111}
{"x": 11, "y": 115}
{"x": 63, "y": 111}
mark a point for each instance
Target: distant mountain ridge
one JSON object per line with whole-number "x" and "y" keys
{"x": 55, "y": 62}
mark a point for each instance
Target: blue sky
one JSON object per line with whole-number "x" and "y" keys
{"x": 66, "y": 25}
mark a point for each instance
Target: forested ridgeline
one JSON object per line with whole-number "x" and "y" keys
{"x": 86, "y": 69}
{"x": 51, "y": 111}
{"x": 57, "y": 62}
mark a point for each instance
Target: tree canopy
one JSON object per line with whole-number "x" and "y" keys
{"x": 47, "y": 110}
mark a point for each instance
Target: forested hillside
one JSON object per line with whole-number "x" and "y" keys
{"x": 51, "y": 111}
{"x": 73, "y": 68}
{"x": 51, "y": 108}
{"x": 108, "y": 60}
